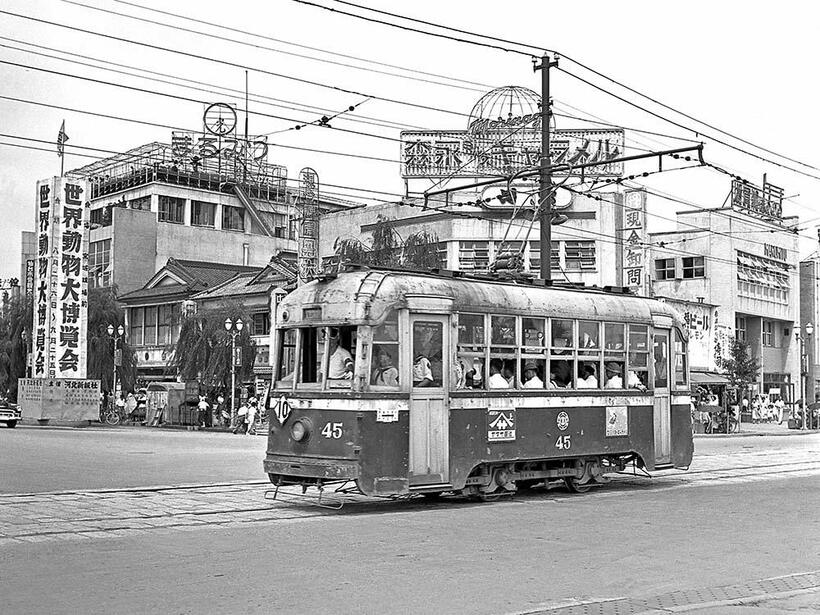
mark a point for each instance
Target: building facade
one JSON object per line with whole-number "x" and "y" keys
{"x": 734, "y": 269}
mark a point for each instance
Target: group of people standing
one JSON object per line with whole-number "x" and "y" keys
{"x": 218, "y": 414}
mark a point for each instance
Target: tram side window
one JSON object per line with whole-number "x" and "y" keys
{"x": 386, "y": 353}
{"x": 470, "y": 352}
{"x": 638, "y": 376}
{"x": 532, "y": 333}
{"x": 589, "y": 355}
{"x": 614, "y": 355}
{"x": 427, "y": 353}
{"x": 287, "y": 356}
{"x": 533, "y": 366}
{"x": 503, "y": 366}
{"x": 562, "y": 361}
{"x": 680, "y": 360}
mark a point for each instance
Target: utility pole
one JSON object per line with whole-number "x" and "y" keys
{"x": 545, "y": 171}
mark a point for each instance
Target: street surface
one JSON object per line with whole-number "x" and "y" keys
{"x": 735, "y": 534}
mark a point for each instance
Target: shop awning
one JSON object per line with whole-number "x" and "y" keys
{"x": 707, "y": 378}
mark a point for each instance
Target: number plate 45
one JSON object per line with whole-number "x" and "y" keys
{"x": 563, "y": 442}
{"x": 332, "y": 430}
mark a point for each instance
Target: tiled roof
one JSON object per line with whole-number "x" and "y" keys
{"x": 211, "y": 274}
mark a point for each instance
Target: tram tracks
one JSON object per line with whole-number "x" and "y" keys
{"x": 44, "y": 516}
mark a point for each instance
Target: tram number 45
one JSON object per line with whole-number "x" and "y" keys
{"x": 332, "y": 430}
{"x": 563, "y": 442}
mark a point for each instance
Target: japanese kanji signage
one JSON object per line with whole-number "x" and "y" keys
{"x": 69, "y": 399}
{"x": 308, "y": 203}
{"x": 61, "y": 279}
{"x": 633, "y": 240}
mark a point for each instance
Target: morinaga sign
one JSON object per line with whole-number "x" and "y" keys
{"x": 503, "y": 136}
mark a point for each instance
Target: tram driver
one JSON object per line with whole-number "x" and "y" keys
{"x": 341, "y": 361}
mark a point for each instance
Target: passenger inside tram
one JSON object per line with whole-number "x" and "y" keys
{"x": 560, "y": 374}
{"x": 531, "y": 377}
{"x": 587, "y": 379}
{"x": 614, "y": 378}
{"x": 340, "y": 364}
{"x": 497, "y": 380}
{"x": 385, "y": 373}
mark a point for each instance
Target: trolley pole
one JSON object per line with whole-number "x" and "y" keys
{"x": 545, "y": 171}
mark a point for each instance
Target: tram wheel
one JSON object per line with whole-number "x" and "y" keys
{"x": 573, "y": 486}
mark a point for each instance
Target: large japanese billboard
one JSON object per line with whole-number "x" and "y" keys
{"x": 61, "y": 279}
{"x": 634, "y": 238}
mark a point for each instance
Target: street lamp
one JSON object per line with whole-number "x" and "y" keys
{"x": 117, "y": 354}
{"x": 233, "y": 329}
{"x": 803, "y": 367}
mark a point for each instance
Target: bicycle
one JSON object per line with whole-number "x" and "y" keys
{"x": 110, "y": 414}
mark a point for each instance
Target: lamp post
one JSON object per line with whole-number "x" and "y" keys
{"x": 809, "y": 328}
{"x": 233, "y": 329}
{"x": 117, "y": 355}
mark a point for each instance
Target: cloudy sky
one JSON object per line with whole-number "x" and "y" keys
{"x": 746, "y": 68}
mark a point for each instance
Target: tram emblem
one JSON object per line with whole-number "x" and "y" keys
{"x": 280, "y": 409}
{"x": 562, "y": 421}
{"x": 501, "y": 425}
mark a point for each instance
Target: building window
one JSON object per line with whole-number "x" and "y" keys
{"x": 665, "y": 268}
{"x": 763, "y": 279}
{"x": 579, "y": 255}
{"x": 171, "y": 209}
{"x": 203, "y": 214}
{"x": 261, "y": 323}
{"x": 473, "y": 255}
{"x": 98, "y": 218}
{"x": 535, "y": 256}
{"x": 740, "y": 327}
{"x": 99, "y": 263}
{"x": 768, "y": 333}
{"x": 441, "y": 255}
{"x": 233, "y": 218}
{"x": 137, "y": 317}
{"x": 143, "y": 203}
{"x": 693, "y": 267}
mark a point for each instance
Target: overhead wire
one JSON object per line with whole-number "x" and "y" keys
{"x": 256, "y": 46}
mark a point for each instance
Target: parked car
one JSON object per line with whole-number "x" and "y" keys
{"x": 9, "y": 413}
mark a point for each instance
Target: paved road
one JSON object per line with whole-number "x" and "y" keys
{"x": 736, "y": 528}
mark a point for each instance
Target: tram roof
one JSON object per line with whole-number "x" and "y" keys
{"x": 367, "y": 295}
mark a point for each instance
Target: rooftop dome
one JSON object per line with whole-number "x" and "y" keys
{"x": 507, "y": 108}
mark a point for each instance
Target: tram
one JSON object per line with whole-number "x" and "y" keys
{"x": 397, "y": 382}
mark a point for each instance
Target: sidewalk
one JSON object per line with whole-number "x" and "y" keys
{"x": 761, "y": 429}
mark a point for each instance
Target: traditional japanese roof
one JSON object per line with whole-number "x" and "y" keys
{"x": 179, "y": 279}
{"x": 279, "y": 273}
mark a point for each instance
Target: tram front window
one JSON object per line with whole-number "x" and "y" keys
{"x": 321, "y": 349}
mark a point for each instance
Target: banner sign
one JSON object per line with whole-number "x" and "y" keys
{"x": 68, "y": 399}
{"x": 766, "y": 201}
{"x": 30, "y": 264}
{"x": 308, "y": 204}
{"x": 61, "y": 279}
{"x": 633, "y": 238}
{"x": 491, "y": 152}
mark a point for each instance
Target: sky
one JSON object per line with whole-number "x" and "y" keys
{"x": 746, "y": 68}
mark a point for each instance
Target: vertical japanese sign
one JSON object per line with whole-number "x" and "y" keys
{"x": 61, "y": 279}
{"x": 634, "y": 241}
{"x": 308, "y": 249}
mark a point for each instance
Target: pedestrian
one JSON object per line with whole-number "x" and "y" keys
{"x": 240, "y": 419}
{"x": 250, "y": 417}
{"x": 778, "y": 407}
{"x": 226, "y": 412}
{"x": 202, "y": 410}
{"x": 131, "y": 407}
{"x": 120, "y": 405}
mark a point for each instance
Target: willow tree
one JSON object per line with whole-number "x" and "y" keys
{"x": 203, "y": 350}
{"x": 15, "y": 317}
{"x": 103, "y": 310}
{"x": 388, "y": 249}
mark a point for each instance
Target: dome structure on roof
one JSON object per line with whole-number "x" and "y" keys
{"x": 507, "y": 108}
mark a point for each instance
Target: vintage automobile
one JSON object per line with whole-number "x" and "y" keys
{"x": 9, "y": 413}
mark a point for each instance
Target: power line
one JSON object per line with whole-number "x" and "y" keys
{"x": 232, "y": 64}
{"x": 679, "y": 125}
{"x": 257, "y": 98}
{"x": 182, "y": 98}
{"x": 409, "y": 29}
{"x": 584, "y": 66}
{"x": 255, "y": 46}
{"x": 301, "y": 46}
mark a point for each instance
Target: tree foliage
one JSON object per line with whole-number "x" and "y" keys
{"x": 741, "y": 367}
{"x": 103, "y": 310}
{"x": 203, "y": 350}
{"x": 388, "y": 249}
{"x": 15, "y": 317}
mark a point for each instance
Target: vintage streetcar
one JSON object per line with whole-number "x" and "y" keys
{"x": 394, "y": 383}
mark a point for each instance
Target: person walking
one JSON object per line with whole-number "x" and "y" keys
{"x": 250, "y": 417}
{"x": 202, "y": 410}
{"x": 241, "y": 415}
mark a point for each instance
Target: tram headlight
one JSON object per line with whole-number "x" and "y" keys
{"x": 300, "y": 430}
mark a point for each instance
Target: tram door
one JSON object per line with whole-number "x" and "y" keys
{"x": 429, "y": 412}
{"x": 663, "y": 416}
